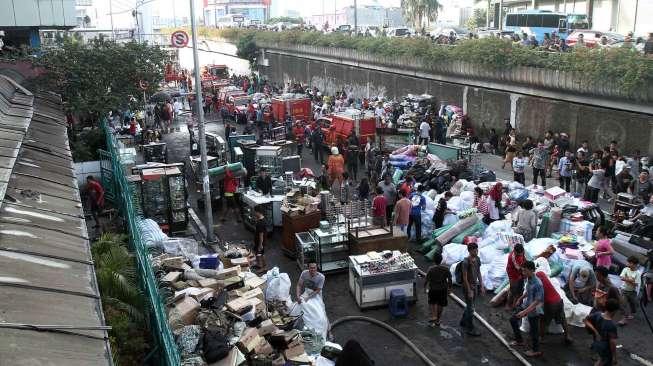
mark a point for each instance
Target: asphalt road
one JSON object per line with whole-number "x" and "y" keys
{"x": 445, "y": 345}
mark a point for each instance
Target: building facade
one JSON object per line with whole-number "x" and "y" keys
{"x": 22, "y": 21}
{"x": 214, "y": 10}
{"x": 369, "y": 15}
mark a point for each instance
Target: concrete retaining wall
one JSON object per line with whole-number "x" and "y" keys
{"x": 532, "y": 110}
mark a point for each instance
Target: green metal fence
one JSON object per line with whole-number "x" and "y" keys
{"x": 165, "y": 350}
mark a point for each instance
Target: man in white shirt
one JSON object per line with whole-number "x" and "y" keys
{"x": 424, "y": 133}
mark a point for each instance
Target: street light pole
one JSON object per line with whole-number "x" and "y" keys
{"x": 355, "y": 17}
{"x": 200, "y": 126}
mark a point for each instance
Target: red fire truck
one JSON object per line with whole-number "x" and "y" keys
{"x": 297, "y": 106}
{"x": 343, "y": 123}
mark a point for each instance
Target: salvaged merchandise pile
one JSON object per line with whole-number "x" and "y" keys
{"x": 222, "y": 314}
{"x": 424, "y": 168}
{"x": 563, "y": 238}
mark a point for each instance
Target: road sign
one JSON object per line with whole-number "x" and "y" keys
{"x": 179, "y": 39}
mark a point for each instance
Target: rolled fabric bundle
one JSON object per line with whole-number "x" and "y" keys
{"x": 440, "y": 231}
{"x": 426, "y": 246}
{"x": 221, "y": 170}
{"x": 456, "y": 229}
{"x": 436, "y": 249}
{"x": 474, "y": 230}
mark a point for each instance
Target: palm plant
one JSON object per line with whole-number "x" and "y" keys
{"x": 417, "y": 11}
{"x": 117, "y": 278}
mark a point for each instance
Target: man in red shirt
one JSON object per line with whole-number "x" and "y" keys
{"x": 379, "y": 204}
{"x": 94, "y": 198}
{"x": 230, "y": 188}
{"x": 516, "y": 259}
{"x": 554, "y": 308}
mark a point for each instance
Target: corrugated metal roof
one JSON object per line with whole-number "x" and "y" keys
{"x": 46, "y": 271}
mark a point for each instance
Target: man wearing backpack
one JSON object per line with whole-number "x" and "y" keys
{"x": 418, "y": 202}
{"x": 468, "y": 272}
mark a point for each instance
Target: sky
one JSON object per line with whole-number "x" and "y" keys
{"x": 279, "y": 7}
{"x": 313, "y": 7}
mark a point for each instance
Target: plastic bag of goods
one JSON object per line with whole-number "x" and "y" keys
{"x": 496, "y": 273}
{"x": 500, "y": 226}
{"x": 488, "y": 254}
{"x": 314, "y": 311}
{"x": 151, "y": 233}
{"x": 515, "y": 185}
{"x": 518, "y": 195}
{"x": 278, "y": 285}
{"x": 452, "y": 253}
{"x": 450, "y": 219}
{"x": 468, "y": 198}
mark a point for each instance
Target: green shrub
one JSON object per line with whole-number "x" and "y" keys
{"x": 627, "y": 69}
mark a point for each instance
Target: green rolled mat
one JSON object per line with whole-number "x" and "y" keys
{"x": 221, "y": 170}
{"x": 544, "y": 226}
{"x": 438, "y": 232}
{"x": 396, "y": 176}
{"x": 426, "y": 246}
{"x": 436, "y": 249}
{"x": 474, "y": 230}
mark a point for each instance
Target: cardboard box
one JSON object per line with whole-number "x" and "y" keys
{"x": 171, "y": 277}
{"x": 254, "y": 282}
{"x": 188, "y": 309}
{"x": 243, "y": 262}
{"x": 255, "y": 293}
{"x": 264, "y": 348}
{"x": 209, "y": 283}
{"x": 231, "y": 283}
{"x": 180, "y": 285}
{"x": 239, "y": 304}
{"x": 228, "y": 272}
{"x": 174, "y": 262}
{"x": 554, "y": 193}
{"x": 249, "y": 340}
{"x": 294, "y": 351}
{"x": 203, "y": 293}
{"x": 267, "y": 327}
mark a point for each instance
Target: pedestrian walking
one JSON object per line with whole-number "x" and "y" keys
{"x": 317, "y": 138}
{"x": 516, "y": 259}
{"x": 418, "y": 203}
{"x": 511, "y": 149}
{"x": 531, "y": 308}
{"x": 379, "y": 206}
{"x": 564, "y": 171}
{"x": 424, "y": 133}
{"x": 539, "y": 155}
{"x": 553, "y": 308}
{"x": 519, "y": 164}
{"x": 472, "y": 283}
{"x": 595, "y": 182}
{"x": 402, "y": 212}
{"x": 604, "y": 332}
{"x": 629, "y": 277}
{"x": 438, "y": 286}
{"x": 390, "y": 194}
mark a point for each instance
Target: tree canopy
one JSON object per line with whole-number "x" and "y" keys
{"x": 417, "y": 11}
{"x": 101, "y": 75}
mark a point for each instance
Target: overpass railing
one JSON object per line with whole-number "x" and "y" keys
{"x": 546, "y": 78}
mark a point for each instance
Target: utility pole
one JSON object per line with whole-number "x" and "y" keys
{"x": 174, "y": 14}
{"x": 113, "y": 33}
{"x": 355, "y": 17}
{"x": 500, "y": 18}
{"x": 200, "y": 126}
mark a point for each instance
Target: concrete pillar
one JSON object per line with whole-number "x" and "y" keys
{"x": 513, "y": 110}
{"x": 465, "y": 90}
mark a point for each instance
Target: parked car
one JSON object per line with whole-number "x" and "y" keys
{"x": 399, "y": 32}
{"x": 459, "y": 32}
{"x": 344, "y": 28}
{"x": 592, "y": 38}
